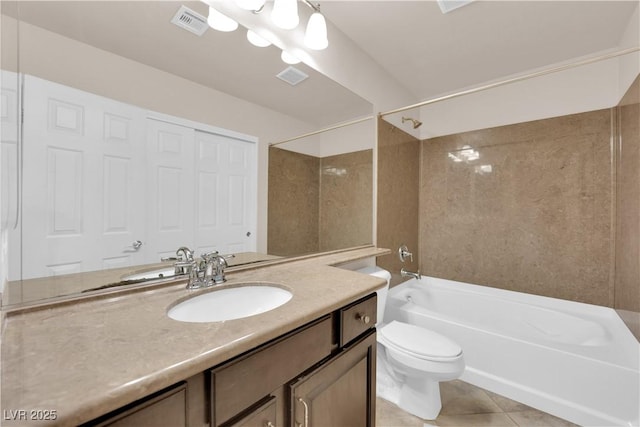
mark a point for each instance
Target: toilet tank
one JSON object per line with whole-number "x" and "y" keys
{"x": 381, "y": 292}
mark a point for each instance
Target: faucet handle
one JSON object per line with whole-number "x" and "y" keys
{"x": 184, "y": 267}
{"x": 403, "y": 253}
{"x": 210, "y": 256}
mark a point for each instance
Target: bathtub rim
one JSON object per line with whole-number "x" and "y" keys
{"x": 621, "y": 334}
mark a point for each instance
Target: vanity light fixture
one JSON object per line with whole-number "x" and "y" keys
{"x": 220, "y": 22}
{"x": 285, "y": 14}
{"x": 256, "y": 39}
{"x": 287, "y": 58}
{"x": 316, "y": 35}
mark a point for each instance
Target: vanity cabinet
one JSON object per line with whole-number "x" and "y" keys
{"x": 321, "y": 374}
{"x": 340, "y": 392}
{"x": 260, "y": 373}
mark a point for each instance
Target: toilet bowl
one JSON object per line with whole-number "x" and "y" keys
{"x": 412, "y": 361}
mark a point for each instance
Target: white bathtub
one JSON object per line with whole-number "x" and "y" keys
{"x": 576, "y": 361}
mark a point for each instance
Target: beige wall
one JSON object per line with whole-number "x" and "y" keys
{"x": 346, "y": 200}
{"x": 536, "y": 218}
{"x": 398, "y": 193}
{"x": 627, "y": 271}
{"x": 294, "y": 195}
{"x": 319, "y": 204}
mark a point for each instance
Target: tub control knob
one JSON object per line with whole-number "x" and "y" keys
{"x": 364, "y": 318}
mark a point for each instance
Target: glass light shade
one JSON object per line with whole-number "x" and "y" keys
{"x": 220, "y": 22}
{"x": 256, "y": 39}
{"x": 316, "y": 35}
{"x": 285, "y": 14}
{"x": 250, "y": 4}
{"x": 287, "y": 58}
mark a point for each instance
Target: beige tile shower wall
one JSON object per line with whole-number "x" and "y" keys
{"x": 346, "y": 200}
{"x": 398, "y": 191}
{"x": 532, "y": 213}
{"x": 627, "y": 272}
{"x": 293, "y": 203}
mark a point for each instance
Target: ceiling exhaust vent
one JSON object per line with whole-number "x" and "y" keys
{"x": 190, "y": 21}
{"x": 292, "y": 75}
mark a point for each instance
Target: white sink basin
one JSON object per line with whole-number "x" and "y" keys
{"x": 230, "y": 303}
{"x": 153, "y": 274}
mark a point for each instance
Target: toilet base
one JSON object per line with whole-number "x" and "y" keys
{"x": 421, "y": 398}
{"x": 418, "y": 397}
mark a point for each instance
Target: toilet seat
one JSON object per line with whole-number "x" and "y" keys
{"x": 419, "y": 342}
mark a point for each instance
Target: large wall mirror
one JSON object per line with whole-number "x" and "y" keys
{"x": 141, "y": 136}
{"x": 320, "y": 191}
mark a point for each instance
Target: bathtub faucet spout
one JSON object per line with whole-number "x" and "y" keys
{"x": 405, "y": 273}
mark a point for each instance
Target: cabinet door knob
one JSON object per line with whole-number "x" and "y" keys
{"x": 364, "y": 318}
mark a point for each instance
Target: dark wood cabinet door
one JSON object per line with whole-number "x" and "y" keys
{"x": 341, "y": 392}
{"x": 167, "y": 409}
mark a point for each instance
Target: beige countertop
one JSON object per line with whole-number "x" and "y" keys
{"x": 93, "y": 356}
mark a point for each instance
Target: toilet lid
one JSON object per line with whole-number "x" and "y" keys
{"x": 419, "y": 342}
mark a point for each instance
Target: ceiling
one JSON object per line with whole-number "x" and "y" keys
{"x": 431, "y": 53}
{"x": 427, "y": 52}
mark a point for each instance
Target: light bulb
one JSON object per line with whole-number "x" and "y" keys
{"x": 288, "y": 58}
{"x": 256, "y": 39}
{"x": 220, "y": 22}
{"x": 250, "y": 4}
{"x": 285, "y": 14}
{"x": 316, "y": 35}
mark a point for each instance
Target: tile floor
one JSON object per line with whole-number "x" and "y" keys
{"x": 465, "y": 405}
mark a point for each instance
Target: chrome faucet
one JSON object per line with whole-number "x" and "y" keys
{"x": 184, "y": 253}
{"x": 208, "y": 271}
{"x": 406, "y": 273}
{"x": 183, "y": 261}
{"x": 219, "y": 263}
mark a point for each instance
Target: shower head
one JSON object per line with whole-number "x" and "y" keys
{"x": 416, "y": 123}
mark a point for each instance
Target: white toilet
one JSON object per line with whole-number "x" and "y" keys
{"x": 412, "y": 360}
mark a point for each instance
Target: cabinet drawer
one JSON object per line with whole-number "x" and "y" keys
{"x": 241, "y": 383}
{"x": 358, "y": 318}
{"x": 167, "y": 408}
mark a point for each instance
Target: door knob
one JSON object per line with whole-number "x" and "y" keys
{"x": 364, "y": 318}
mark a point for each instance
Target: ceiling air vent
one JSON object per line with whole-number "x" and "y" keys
{"x": 292, "y": 75}
{"x": 190, "y": 21}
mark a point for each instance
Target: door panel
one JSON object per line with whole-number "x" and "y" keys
{"x": 76, "y": 144}
{"x": 171, "y": 195}
{"x": 226, "y": 201}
